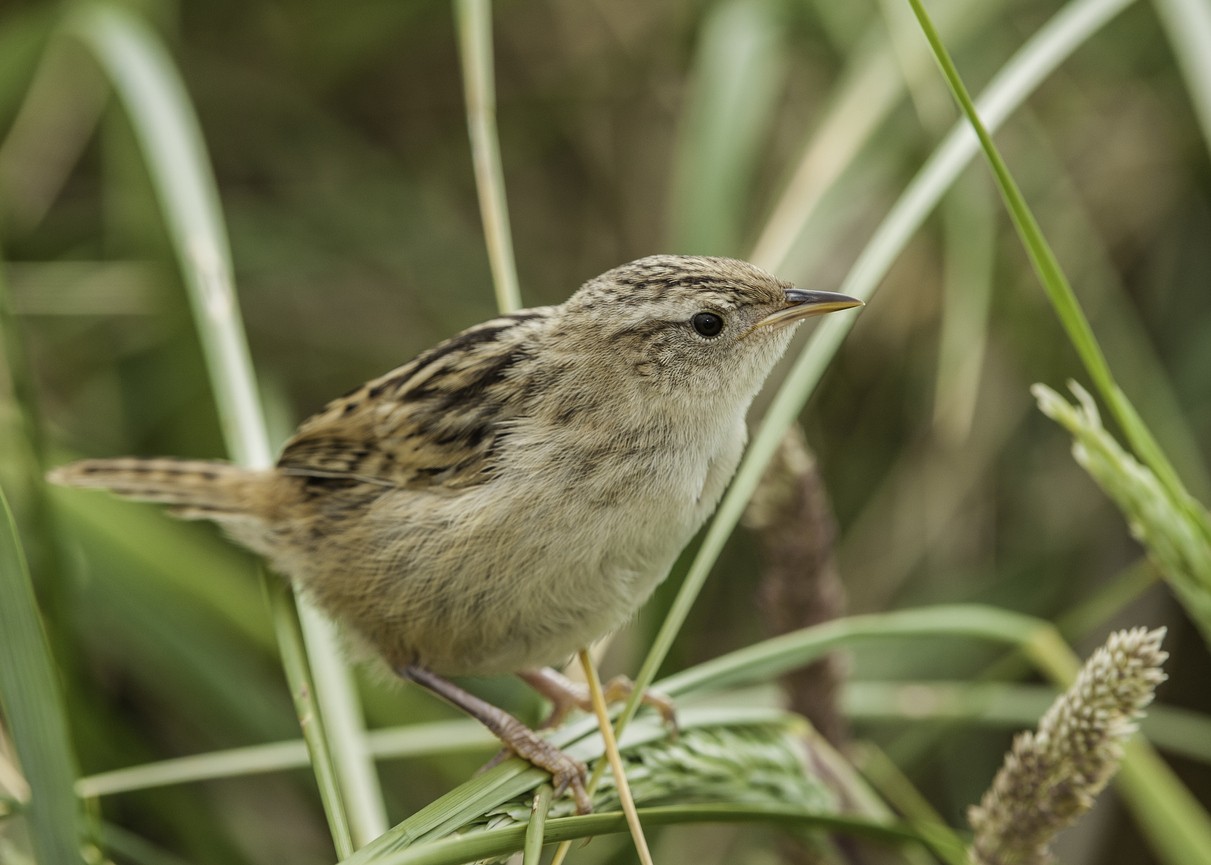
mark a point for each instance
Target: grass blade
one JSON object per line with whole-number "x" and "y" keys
{"x": 1051, "y": 45}
{"x": 738, "y": 71}
{"x": 1187, "y": 23}
{"x": 1055, "y": 283}
{"x": 158, "y": 106}
{"x": 34, "y": 709}
{"x": 474, "y": 18}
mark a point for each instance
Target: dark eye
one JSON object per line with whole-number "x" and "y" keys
{"x": 707, "y": 323}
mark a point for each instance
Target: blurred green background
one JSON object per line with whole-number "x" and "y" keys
{"x": 338, "y": 137}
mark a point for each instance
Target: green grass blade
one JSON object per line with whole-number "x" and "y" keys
{"x": 474, "y": 19}
{"x": 158, "y": 106}
{"x": 536, "y": 827}
{"x": 1055, "y": 283}
{"x": 500, "y": 842}
{"x": 1183, "y": 732}
{"x": 1187, "y": 23}
{"x": 412, "y": 740}
{"x": 34, "y": 710}
{"x": 737, "y": 76}
{"x": 313, "y": 723}
{"x": 759, "y": 663}
{"x": 155, "y": 100}
{"x": 1051, "y": 45}
{"x": 1174, "y": 822}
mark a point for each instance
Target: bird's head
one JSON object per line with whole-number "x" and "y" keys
{"x": 691, "y": 325}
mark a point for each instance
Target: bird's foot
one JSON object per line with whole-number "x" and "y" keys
{"x": 567, "y": 773}
{"x": 566, "y": 695}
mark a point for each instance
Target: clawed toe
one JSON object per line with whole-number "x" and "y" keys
{"x": 571, "y": 775}
{"x": 566, "y": 695}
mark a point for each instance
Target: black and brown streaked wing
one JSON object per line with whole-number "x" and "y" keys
{"x": 432, "y": 422}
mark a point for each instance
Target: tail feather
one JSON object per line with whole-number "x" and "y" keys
{"x": 196, "y": 489}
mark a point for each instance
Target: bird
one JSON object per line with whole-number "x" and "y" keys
{"x": 513, "y": 493}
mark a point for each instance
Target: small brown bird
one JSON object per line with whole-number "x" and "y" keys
{"x": 517, "y": 491}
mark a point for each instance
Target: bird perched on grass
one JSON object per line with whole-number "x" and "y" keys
{"x": 517, "y": 491}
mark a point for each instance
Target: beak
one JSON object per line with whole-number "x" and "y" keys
{"x": 801, "y": 303}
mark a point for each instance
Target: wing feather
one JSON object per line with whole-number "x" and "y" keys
{"x": 433, "y": 422}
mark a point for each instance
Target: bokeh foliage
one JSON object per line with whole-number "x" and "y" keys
{"x": 338, "y": 139}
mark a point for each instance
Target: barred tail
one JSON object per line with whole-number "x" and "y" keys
{"x": 196, "y": 489}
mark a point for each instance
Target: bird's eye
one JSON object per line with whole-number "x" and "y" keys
{"x": 707, "y": 323}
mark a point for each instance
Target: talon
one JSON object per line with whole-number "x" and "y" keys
{"x": 573, "y": 777}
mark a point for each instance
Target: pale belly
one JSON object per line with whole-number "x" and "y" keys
{"x": 503, "y": 578}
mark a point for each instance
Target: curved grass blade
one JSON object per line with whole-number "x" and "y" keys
{"x": 1056, "y": 284}
{"x": 1187, "y": 23}
{"x": 34, "y": 710}
{"x": 500, "y": 842}
{"x": 474, "y": 19}
{"x": 158, "y": 107}
{"x": 1070, "y": 28}
{"x": 739, "y": 70}
{"x": 1182, "y": 732}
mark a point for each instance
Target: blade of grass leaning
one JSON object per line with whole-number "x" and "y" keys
{"x": 737, "y": 77}
{"x": 412, "y": 740}
{"x": 34, "y": 710}
{"x": 1176, "y": 819}
{"x": 1187, "y": 24}
{"x": 758, "y": 663}
{"x": 1055, "y": 283}
{"x": 536, "y": 826}
{"x": 474, "y": 20}
{"x": 969, "y": 228}
{"x": 625, "y": 799}
{"x": 158, "y": 107}
{"x": 1066, "y": 31}
{"x": 868, "y": 90}
{"x": 743, "y": 755}
{"x": 1178, "y": 731}
{"x": 1037, "y": 639}
{"x": 501, "y": 842}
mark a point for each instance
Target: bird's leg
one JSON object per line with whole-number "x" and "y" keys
{"x": 567, "y": 773}
{"x": 566, "y": 695}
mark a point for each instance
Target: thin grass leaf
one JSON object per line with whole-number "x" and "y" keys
{"x": 759, "y": 663}
{"x": 1174, "y": 822}
{"x": 1187, "y": 23}
{"x": 1055, "y": 283}
{"x": 536, "y": 826}
{"x": 501, "y": 842}
{"x": 1070, "y": 28}
{"x": 34, "y": 710}
{"x": 622, "y": 784}
{"x": 866, "y": 95}
{"x": 474, "y": 18}
{"x": 970, "y": 231}
{"x": 738, "y": 71}
{"x": 1141, "y": 777}
{"x": 756, "y": 766}
{"x": 413, "y": 740}
{"x": 1182, "y": 732}
{"x": 158, "y": 106}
